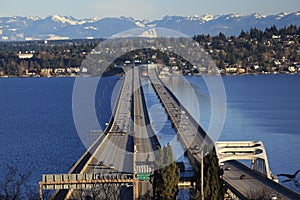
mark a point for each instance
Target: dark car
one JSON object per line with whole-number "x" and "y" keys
{"x": 242, "y": 177}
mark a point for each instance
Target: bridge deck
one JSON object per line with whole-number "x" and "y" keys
{"x": 254, "y": 182}
{"x": 144, "y": 147}
{"x": 145, "y": 140}
{"x": 191, "y": 134}
{"x": 111, "y": 152}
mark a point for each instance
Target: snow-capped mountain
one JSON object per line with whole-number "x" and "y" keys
{"x": 68, "y": 27}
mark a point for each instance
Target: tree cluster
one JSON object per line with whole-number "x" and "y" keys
{"x": 55, "y": 54}
{"x": 254, "y": 47}
{"x": 14, "y": 185}
{"x": 166, "y": 177}
{"x": 98, "y": 191}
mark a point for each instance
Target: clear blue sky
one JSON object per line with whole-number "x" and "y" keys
{"x": 143, "y": 9}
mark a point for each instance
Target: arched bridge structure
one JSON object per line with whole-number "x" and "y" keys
{"x": 245, "y": 150}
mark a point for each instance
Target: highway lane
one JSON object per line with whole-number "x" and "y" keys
{"x": 112, "y": 152}
{"x": 254, "y": 182}
{"x": 141, "y": 138}
{"x": 192, "y": 136}
{"x": 144, "y": 145}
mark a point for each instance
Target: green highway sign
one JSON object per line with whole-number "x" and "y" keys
{"x": 143, "y": 176}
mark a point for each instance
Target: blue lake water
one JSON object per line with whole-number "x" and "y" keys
{"x": 37, "y": 130}
{"x": 38, "y": 133}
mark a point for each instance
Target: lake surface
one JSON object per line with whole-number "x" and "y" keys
{"x": 38, "y": 133}
{"x": 37, "y": 129}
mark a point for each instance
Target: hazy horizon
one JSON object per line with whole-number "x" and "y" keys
{"x": 199, "y": 15}
{"x": 141, "y": 9}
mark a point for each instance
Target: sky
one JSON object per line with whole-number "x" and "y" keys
{"x": 143, "y": 9}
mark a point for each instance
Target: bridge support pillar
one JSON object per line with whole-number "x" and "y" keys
{"x": 136, "y": 190}
{"x": 40, "y": 191}
{"x": 252, "y": 164}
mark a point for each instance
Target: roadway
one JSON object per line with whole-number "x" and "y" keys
{"x": 193, "y": 138}
{"x": 145, "y": 140}
{"x": 116, "y": 150}
{"x": 254, "y": 181}
{"x": 144, "y": 147}
{"x": 112, "y": 152}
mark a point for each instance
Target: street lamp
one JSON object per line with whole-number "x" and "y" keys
{"x": 202, "y": 172}
{"x": 202, "y": 176}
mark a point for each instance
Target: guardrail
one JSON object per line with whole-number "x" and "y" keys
{"x": 82, "y": 181}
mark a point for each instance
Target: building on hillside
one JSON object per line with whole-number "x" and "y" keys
{"x": 1, "y": 72}
{"x": 25, "y": 55}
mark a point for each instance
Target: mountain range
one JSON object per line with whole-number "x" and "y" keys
{"x": 67, "y": 27}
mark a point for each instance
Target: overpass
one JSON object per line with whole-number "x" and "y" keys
{"x": 253, "y": 183}
{"x": 125, "y": 149}
{"x": 245, "y": 150}
{"x": 244, "y": 181}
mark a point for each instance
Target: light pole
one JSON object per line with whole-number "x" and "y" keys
{"x": 202, "y": 172}
{"x": 202, "y": 176}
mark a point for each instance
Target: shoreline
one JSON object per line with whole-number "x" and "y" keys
{"x": 91, "y": 76}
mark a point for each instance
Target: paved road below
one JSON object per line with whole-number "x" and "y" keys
{"x": 254, "y": 182}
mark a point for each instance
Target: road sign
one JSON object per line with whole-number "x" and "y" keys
{"x": 143, "y": 176}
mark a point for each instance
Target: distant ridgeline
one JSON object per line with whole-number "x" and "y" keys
{"x": 255, "y": 51}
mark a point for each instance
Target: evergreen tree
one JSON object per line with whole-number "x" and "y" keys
{"x": 166, "y": 179}
{"x": 213, "y": 187}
